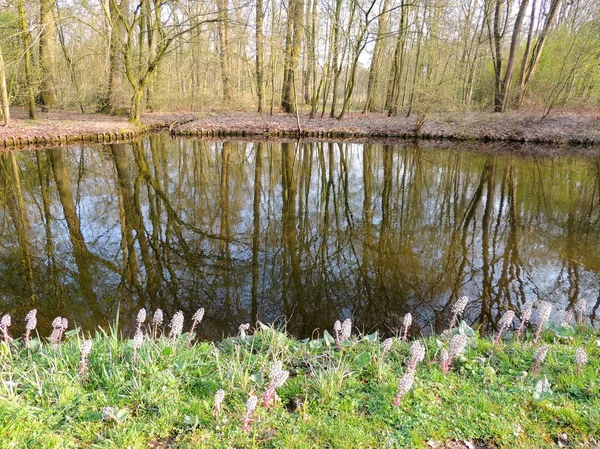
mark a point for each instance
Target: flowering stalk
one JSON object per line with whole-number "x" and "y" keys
{"x": 4, "y": 325}
{"x": 417, "y": 354}
{"x": 157, "y": 320}
{"x": 337, "y": 332}
{"x": 219, "y": 397}
{"x": 544, "y": 316}
{"x": 141, "y": 317}
{"x": 176, "y": 325}
{"x": 581, "y": 310}
{"x": 386, "y": 345}
{"x": 457, "y": 347}
{"x": 504, "y": 323}
{"x": 86, "y": 348}
{"x": 30, "y": 324}
{"x": 581, "y": 358}
{"x": 538, "y": 357}
{"x": 250, "y": 407}
{"x": 196, "y": 319}
{"x": 404, "y": 386}
{"x": 525, "y": 317}
{"x": 407, "y": 322}
{"x": 346, "y": 330}
{"x": 138, "y": 340}
{"x": 242, "y": 328}
{"x": 270, "y": 393}
{"x": 444, "y": 361}
{"x": 457, "y": 309}
{"x": 59, "y": 325}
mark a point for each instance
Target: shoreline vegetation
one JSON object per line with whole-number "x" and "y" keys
{"x": 533, "y": 383}
{"x": 65, "y": 128}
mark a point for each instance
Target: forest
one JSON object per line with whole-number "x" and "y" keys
{"x": 324, "y": 57}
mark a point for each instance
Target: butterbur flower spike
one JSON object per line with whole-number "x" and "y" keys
{"x": 581, "y": 310}
{"x": 404, "y": 386}
{"x": 337, "y": 331}
{"x": 141, "y": 317}
{"x": 581, "y": 359}
{"x": 196, "y": 319}
{"x": 157, "y": 321}
{"x": 525, "y": 317}
{"x": 538, "y": 357}
{"x": 86, "y": 348}
{"x": 59, "y": 325}
{"x": 278, "y": 377}
{"x": 457, "y": 309}
{"x": 504, "y": 323}
{"x": 250, "y": 407}
{"x": 387, "y": 345}
{"x": 444, "y": 361}
{"x": 270, "y": 394}
{"x": 242, "y": 329}
{"x": 30, "y": 324}
{"x": 568, "y": 317}
{"x": 176, "y": 325}
{"x": 219, "y": 397}
{"x": 417, "y": 354}
{"x": 5, "y": 323}
{"x": 544, "y": 315}
{"x": 138, "y": 341}
{"x": 346, "y": 331}
{"x": 406, "y": 323}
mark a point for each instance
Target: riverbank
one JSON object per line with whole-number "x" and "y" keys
{"x": 266, "y": 389}
{"x": 62, "y": 128}
{"x": 569, "y": 129}
{"x": 67, "y": 128}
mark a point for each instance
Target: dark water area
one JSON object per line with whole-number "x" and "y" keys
{"x": 303, "y": 233}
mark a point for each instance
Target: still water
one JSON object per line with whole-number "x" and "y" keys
{"x": 303, "y": 233}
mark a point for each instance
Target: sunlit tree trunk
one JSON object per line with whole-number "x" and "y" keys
{"x": 224, "y": 52}
{"x": 4, "y": 93}
{"x": 293, "y": 48}
{"x": 117, "y": 15}
{"x": 393, "y": 94}
{"x": 26, "y": 38}
{"x": 512, "y": 56}
{"x": 382, "y": 31}
{"x": 259, "y": 54}
{"x": 336, "y": 66}
{"x": 47, "y": 53}
{"x": 532, "y": 63}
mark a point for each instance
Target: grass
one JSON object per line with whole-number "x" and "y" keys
{"x": 337, "y": 395}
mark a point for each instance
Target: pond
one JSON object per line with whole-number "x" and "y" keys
{"x": 302, "y": 233}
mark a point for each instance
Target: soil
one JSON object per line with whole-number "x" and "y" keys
{"x": 62, "y": 127}
{"x": 511, "y": 127}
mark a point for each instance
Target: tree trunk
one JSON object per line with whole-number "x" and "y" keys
{"x": 259, "y": 54}
{"x": 294, "y": 39}
{"x": 117, "y": 14}
{"x": 223, "y": 31}
{"x": 26, "y": 48}
{"x": 512, "y": 56}
{"x": 335, "y": 65}
{"x": 4, "y": 92}
{"x": 136, "y": 105}
{"x": 398, "y": 65}
{"x": 497, "y": 42}
{"x": 538, "y": 47}
{"x": 526, "y": 54}
{"x": 47, "y": 53}
{"x": 382, "y": 31}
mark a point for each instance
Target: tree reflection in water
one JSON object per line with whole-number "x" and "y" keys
{"x": 300, "y": 232}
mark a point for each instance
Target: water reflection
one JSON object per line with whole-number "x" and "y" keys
{"x": 306, "y": 232}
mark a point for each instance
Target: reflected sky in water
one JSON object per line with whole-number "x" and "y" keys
{"x": 303, "y": 233}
